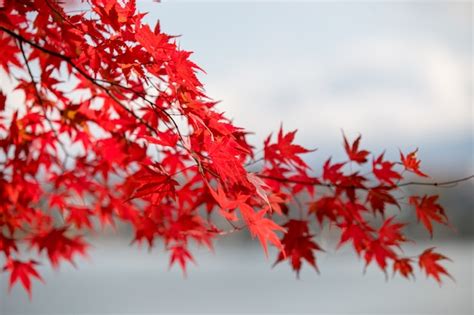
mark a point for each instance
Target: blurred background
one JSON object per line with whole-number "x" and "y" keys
{"x": 399, "y": 73}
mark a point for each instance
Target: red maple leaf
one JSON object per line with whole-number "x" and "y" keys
{"x": 145, "y": 229}
{"x": 411, "y": 163}
{"x": 59, "y": 246}
{"x": 427, "y": 210}
{"x": 298, "y": 245}
{"x": 284, "y": 150}
{"x": 379, "y": 251}
{"x": 429, "y": 262}
{"x": 349, "y": 185}
{"x": 7, "y": 244}
{"x": 149, "y": 182}
{"x": 332, "y": 173}
{"x": 390, "y": 232}
{"x": 383, "y": 170}
{"x": 262, "y": 228}
{"x": 356, "y": 155}
{"x": 3, "y": 99}
{"x": 404, "y": 267}
{"x": 326, "y": 207}
{"x": 378, "y": 198}
{"x": 359, "y": 233}
{"x": 8, "y": 50}
{"x": 23, "y": 272}
{"x": 79, "y": 216}
{"x": 226, "y": 204}
{"x": 181, "y": 255}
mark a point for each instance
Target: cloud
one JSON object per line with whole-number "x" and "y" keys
{"x": 388, "y": 89}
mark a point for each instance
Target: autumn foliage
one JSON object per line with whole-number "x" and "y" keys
{"x": 115, "y": 126}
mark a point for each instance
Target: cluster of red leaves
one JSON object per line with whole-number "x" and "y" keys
{"x": 115, "y": 126}
{"x": 351, "y": 203}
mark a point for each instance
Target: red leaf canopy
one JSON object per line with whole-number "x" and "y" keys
{"x": 115, "y": 126}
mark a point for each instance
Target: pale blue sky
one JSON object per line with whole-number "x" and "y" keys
{"x": 399, "y": 73}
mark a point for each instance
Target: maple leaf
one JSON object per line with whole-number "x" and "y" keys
{"x": 332, "y": 173}
{"x": 411, "y": 163}
{"x": 226, "y": 204}
{"x": 379, "y": 248}
{"x": 427, "y": 210}
{"x": 390, "y": 232}
{"x": 352, "y": 211}
{"x": 187, "y": 225}
{"x": 380, "y": 251}
{"x": 261, "y": 227}
{"x": 168, "y": 139}
{"x": 260, "y": 187}
{"x": 9, "y": 51}
{"x": 58, "y": 246}
{"x": 7, "y": 245}
{"x": 301, "y": 179}
{"x": 429, "y": 262}
{"x": 152, "y": 183}
{"x": 278, "y": 203}
{"x": 349, "y": 184}
{"x": 145, "y": 228}
{"x": 284, "y": 150}
{"x": 3, "y": 99}
{"x": 181, "y": 255}
{"x": 226, "y": 161}
{"x": 23, "y": 272}
{"x": 298, "y": 245}
{"x": 356, "y": 155}
{"x": 79, "y": 216}
{"x": 383, "y": 170}
{"x": 359, "y": 233}
{"x": 404, "y": 267}
{"x": 378, "y": 198}
{"x": 325, "y": 207}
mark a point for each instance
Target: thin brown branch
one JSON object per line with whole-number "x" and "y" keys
{"x": 43, "y": 109}
{"x": 82, "y": 72}
{"x": 316, "y": 182}
{"x": 437, "y": 184}
{"x": 313, "y": 182}
{"x": 95, "y": 82}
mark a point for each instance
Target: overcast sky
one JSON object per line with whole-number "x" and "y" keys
{"x": 399, "y": 73}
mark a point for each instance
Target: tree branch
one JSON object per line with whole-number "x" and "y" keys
{"x": 82, "y": 72}
{"x": 69, "y": 61}
{"x": 316, "y": 182}
{"x": 43, "y": 109}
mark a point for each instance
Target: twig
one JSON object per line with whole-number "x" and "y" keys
{"x": 316, "y": 182}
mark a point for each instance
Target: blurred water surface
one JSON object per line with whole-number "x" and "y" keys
{"x": 238, "y": 279}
